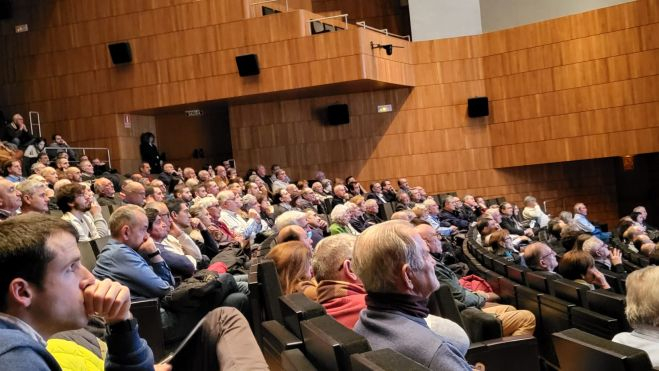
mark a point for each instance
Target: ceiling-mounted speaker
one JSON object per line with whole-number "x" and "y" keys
{"x": 478, "y": 107}
{"x": 120, "y": 53}
{"x": 248, "y": 65}
{"x": 338, "y": 114}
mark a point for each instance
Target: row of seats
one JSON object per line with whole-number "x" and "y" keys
{"x": 295, "y": 333}
{"x": 558, "y": 304}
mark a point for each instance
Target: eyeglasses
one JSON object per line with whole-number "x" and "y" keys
{"x": 548, "y": 254}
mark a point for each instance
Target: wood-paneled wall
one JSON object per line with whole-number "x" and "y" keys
{"x": 579, "y": 88}
{"x": 183, "y": 54}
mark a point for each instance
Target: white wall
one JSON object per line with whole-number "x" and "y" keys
{"x": 439, "y": 19}
{"x": 501, "y": 14}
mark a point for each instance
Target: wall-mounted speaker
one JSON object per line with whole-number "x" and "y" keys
{"x": 248, "y": 65}
{"x": 5, "y": 9}
{"x": 120, "y": 53}
{"x": 477, "y": 107}
{"x": 338, "y": 114}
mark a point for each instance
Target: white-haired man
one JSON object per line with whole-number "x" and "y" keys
{"x": 398, "y": 274}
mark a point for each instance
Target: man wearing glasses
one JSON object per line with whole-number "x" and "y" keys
{"x": 540, "y": 257}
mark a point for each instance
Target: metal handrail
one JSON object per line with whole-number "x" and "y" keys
{"x": 344, "y": 16}
{"x": 264, "y": 2}
{"x": 382, "y": 31}
{"x": 84, "y": 151}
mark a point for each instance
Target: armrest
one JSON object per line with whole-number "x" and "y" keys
{"x": 276, "y": 336}
{"x": 497, "y": 354}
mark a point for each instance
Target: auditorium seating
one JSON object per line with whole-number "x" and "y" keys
{"x": 578, "y": 350}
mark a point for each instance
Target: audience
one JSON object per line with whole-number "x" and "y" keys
{"x": 377, "y": 283}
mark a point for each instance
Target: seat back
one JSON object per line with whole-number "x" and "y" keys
{"x": 507, "y": 291}
{"x": 488, "y": 260}
{"x": 388, "y": 210}
{"x": 105, "y": 211}
{"x": 88, "y": 255}
{"x": 147, "y": 314}
{"x": 513, "y": 353}
{"x": 500, "y": 265}
{"x": 276, "y": 339}
{"x": 268, "y": 279}
{"x": 446, "y": 305}
{"x": 570, "y": 291}
{"x": 329, "y": 344}
{"x": 294, "y": 360}
{"x": 480, "y": 326}
{"x": 555, "y": 314}
{"x": 100, "y": 243}
{"x": 296, "y": 308}
{"x": 517, "y": 273}
{"x": 578, "y": 350}
{"x": 384, "y": 360}
{"x": 540, "y": 281}
{"x": 614, "y": 280}
{"x": 594, "y": 323}
{"x": 608, "y": 303}
{"x": 257, "y": 314}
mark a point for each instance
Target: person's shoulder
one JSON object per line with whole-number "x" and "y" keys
{"x": 20, "y": 352}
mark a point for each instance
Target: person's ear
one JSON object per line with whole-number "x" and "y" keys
{"x": 347, "y": 267}
{"x": 406, "y": 271}
{"x": 124, "y": 231}
{"x": 20, "y": 292}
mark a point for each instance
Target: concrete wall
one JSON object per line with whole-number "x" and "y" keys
{"x": 439, "y": 19}
{"x": 502, "y": 14}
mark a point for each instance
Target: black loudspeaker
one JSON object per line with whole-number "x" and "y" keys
{"x": 477, "y": 107}
{"x": 248, "y": 65}
{"x": 338, "y": 114}
{"x": 120, "y": 53}
{"x": 5, "y": 9}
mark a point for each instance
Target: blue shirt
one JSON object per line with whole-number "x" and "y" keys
{"x": 121, "y": 263}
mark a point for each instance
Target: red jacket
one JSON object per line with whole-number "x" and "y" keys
{"x": 342, "y": 300}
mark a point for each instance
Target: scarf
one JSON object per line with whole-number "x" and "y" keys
{"x": 329, "y": 289}
{"x": 411, "y": 305}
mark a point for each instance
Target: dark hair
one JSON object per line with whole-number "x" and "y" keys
{"x": 55, "y": 135}
{"x": 634, "y": 215}
{"x": 67, "y": 194}
{"x": 574, "y": 264}
{"x": 174, "y": 206}
{"x": 23, "y": 251}
{"x": 6, "y": 165}
{"x": 482, "y": 224}
{"x": 149, "y": 190}
{"x": 151, "y": 215}
{"x": 373, "y": 185}
{"x": 144, "y": 138}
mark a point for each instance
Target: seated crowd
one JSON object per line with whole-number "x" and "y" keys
{"x": 329, "y": 240}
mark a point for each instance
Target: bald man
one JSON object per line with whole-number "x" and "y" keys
{"x": 133, "y": 193}
{"x": 295, "y": 233}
